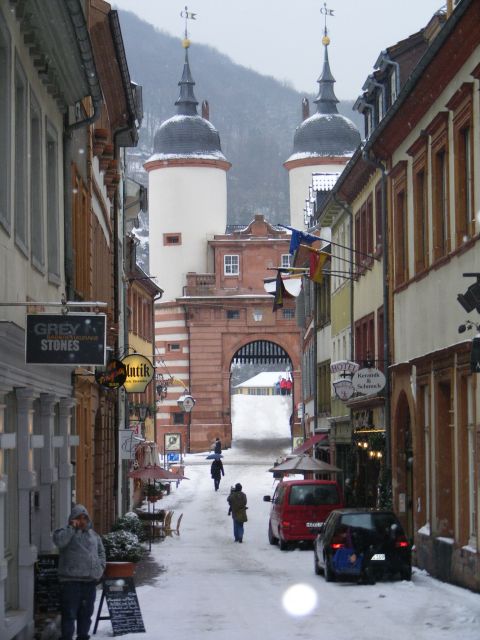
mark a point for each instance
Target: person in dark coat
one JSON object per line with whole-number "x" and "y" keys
{"x": 238, "y": 510}
{"x": 217, "y": 447}
{"x": 80, "y": 566}
{"x": 217, "y": 472}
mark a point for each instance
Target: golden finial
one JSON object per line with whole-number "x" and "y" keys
{"x": 326, "y": 12}
{"x": 188, "y": 15}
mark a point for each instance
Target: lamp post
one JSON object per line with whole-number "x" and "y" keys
{"x": 186, "y": 404}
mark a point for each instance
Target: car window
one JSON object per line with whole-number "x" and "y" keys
{"x": 378, "y": 522}
{"x": 278, "y": 496}
{"x": 313, "y": 495}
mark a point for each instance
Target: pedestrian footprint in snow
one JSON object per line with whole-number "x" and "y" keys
{"x": 216, "y": 471}
{"x": 238, "y": 510}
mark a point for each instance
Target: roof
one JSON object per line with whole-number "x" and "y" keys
{"x": 324, "y": 181}
{"x": 187, "y": 134}
{"x": 326, "y": 133}
{"x": 264, "y": 379}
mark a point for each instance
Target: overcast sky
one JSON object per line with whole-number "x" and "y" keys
{"x": 282, "y": 38}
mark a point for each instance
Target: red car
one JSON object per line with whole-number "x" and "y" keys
{"x": 299, "y": 507}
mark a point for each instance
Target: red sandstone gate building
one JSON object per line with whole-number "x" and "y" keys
{"x": 224, "y": 316}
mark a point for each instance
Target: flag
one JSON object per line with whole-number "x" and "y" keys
{"x": 317, "y": 262}
{"x": 298, "y": 237}
{"x": 280, "y": 292}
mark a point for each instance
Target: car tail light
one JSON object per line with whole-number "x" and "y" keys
{"x": 285, "y": 524}
{"x": 337, "y": 545}
{"x": 401, "y": 544}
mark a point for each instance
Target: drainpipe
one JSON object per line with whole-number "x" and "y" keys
{"x": 386, "y": 309}
{"x": 189, "y": 414}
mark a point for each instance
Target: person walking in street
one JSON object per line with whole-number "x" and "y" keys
{"x": 81, "y": 565}
{"x": 216, "y": 471}
{"x": 217, "y": 446}
{"x": 238, "y": 510}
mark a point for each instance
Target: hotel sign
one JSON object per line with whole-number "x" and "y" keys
{"x": 71, "y": 339}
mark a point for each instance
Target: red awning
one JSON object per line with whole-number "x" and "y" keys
{"x": 311, "y": 442}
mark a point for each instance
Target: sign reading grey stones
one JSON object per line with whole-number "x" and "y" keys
{"x": 368, "y": 381}
{"x": 66, "y": 339}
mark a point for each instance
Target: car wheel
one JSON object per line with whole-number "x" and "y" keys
{"x": 406, "y": 573}
{"x": 283, "y": 544}
{"x": 329, "y": 572}
{"x": 271, "y": 538}
{"x": 317, "y": 569}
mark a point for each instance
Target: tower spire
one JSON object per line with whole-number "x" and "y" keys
{"x": 326, "y": 99}
{"x": 186, "y": 102}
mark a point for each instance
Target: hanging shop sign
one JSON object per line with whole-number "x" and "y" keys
{"x": 140, "y": 372}
{"x": 343, "y": 389}
{"x": 345, "y": 367}
{"x": 368, "y": 381}
{"x": 113, "y": 376}
{"x": 72, "y": 339}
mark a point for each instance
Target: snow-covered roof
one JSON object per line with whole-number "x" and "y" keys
{"x": 324, "y": 181}
{"x": 264, "y": 379}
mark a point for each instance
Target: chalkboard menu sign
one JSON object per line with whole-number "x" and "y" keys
{"x": 123, "y": 607}
{"x": 47, "y": 592}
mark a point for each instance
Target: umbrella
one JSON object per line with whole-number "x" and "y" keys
{"x": 305, "y": 464}
{"x": 214, "y": 456}
{"x": 155, "y": 473}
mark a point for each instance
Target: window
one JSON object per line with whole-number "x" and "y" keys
{"x": 81, "y": 237}
{"x": 393, "y": 86}
{"x": 233, "y": 314}
{"x": 170, "y": 239}
{"x": 36, "y": 185}
{"x": 323, "y": 298}
{"x": 21, "y": 168}
{"x": 400, "y": 226}
{"x": 5, "y": 125}
{"x": 231, "y": 265}
{"x": 420, "y": 219}
{"x": 286, "y": 260}
{"x": 461, "y": 104}
{"x": 324, "y": 388}
{"x": 288, "y": 314}
{"x": 53, "y": 210}
{"x": 178, "y": 418}
{"x": 440, "y": 209}
{"x": 173, "y": 346}
{"x": 365, "y": 339}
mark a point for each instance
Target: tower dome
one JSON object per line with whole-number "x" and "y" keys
{"x": 326, "y": 133}
{"x": 187, "y": 134}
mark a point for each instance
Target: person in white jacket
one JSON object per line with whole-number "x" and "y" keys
{"x": 80, "y": 566}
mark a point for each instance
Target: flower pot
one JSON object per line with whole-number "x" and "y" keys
{"x": 119, "y": 569}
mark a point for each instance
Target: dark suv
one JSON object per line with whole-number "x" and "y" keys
{"x": 363, "y": 543}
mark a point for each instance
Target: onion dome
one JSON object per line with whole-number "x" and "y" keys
{"x": 326, "y": 133}
{"x": 187, "y": 134}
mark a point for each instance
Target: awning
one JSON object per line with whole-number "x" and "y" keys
{"x": 310, "y": 442}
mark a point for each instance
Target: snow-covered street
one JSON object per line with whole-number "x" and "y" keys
{"x": 203, "y": 585}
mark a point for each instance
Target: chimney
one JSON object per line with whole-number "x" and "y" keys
{"x": 205, "y": 110}
{"x": 305, "y": 109}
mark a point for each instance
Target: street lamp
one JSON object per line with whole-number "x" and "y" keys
{"x": 186, "y": 404}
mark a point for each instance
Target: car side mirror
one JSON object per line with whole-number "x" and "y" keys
{"x": 267, "y": 499}
{"x": 393, "y": 530}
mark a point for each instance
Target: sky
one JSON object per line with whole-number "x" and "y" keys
{"x": 282, "y": 38}
{"x": 204, "y": 586}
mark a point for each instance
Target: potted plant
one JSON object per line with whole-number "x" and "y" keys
{"x": 123, "y": 550}
{"x": 154, "y": 491}
{"x": 131, "y": 522}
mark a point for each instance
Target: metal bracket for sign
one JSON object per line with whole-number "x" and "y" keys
{"x": 64, "y": 304}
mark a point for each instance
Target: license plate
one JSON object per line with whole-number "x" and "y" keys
{"x": 314, "y": 524}
{"x": 378, "y": 556}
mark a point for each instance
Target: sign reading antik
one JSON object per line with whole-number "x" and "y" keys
{"x": 75, "y": 339}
